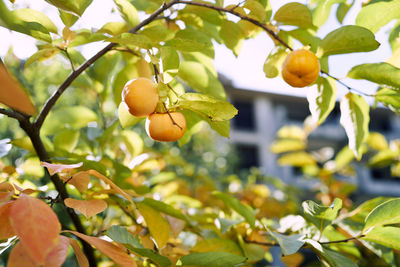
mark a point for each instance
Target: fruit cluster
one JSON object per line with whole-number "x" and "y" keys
{"x": 141, "y": 98}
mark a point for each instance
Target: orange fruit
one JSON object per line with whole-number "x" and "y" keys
{"x": 141, "y": 96}
{"x": 300, "y": 68}
{"x": 160, "y": 127}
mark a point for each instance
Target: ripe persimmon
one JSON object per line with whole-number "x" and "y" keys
{"x": 141, "y": 96}
{"x": 300, "y": 68}
{"x": 166, "y": 127}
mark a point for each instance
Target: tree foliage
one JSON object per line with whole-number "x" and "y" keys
{"x": 76, "y": 165}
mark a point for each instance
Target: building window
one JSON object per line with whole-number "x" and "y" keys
{"x": 382, "y": 174}
{"x": 380, "y": 124}
{"x": 248, "y": 156}
{"x": 245, "y": 119}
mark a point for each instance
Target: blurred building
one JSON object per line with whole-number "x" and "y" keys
{"x": 262, "y": 114}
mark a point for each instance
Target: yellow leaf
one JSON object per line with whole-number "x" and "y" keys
{"x": 56, "y": 168}
{"x": 12, "y": 94}
{"x": 113, "y": 186}
{"x": 80, "y": 256}
{"x": 36, "y": 225}
{"x": 157, "y": 224}
{"x": 118, "y": 255}
{"x": 88, "y": 208}
{"x": 6, "y": 191}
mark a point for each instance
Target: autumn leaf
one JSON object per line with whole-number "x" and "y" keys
{"x": 88, "y": 208}
{"x": 6, "y": 230}
{"x": 80, "y": 256}
{"x": 6, "y": 191}
{"x": 36, "y": 225}
{"x": 117, "y": 254}
{"x": 56, "y": 168}
{"x": 80, "y": 180}
{"x": 19, "y": 257}
{"x": 12, "y": 94}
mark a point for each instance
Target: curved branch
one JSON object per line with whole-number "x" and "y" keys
{"x": 12, "y": 114}
{"x": 56, "y": 95}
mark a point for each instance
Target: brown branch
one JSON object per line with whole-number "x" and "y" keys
{"x": 69, "y": 58}
{"x": 345, "y": 85}
{"x": 172, "y": 119}
{"x": 13, "y": 114}
{"x": 342, "y": 240}
{"x": 233, "y": 12}
{"x": 56, "y": 95}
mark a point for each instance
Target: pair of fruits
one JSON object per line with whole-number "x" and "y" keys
{"x": 300, "y": 68}
{"x": 141, "y": 97}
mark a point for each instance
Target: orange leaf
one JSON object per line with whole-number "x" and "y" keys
{"x": 36, "y": 225}
{"x": 80, "y": 256}
{"x": 58, "y": 255}
{"x": 113, "y": 186}
{"x": 56, "y": 168}
{"x": 12, "y": 94}
{"x": 6, "y": 230}
{"x": 19, "y": 257}
{"x": 88, "y": 208}
{"x": 80, "y": 180}
{"x": 118, "y": 255}
{"x": 6, "y": 191}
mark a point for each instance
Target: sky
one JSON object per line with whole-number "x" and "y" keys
{"x": 245, "y": 71}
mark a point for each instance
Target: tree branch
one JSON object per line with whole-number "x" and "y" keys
{"x": 56, "y": 95}
{"x": 12, "y": 114}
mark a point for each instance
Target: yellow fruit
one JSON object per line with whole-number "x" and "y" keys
{"x": 160, "y": 127}
{"x": 300, "y": 68}
{"x": 141, "y": 96}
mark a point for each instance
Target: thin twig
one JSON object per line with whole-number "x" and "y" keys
{"x": 345, "y": 85}
{"x": 342, "y": 240}
{"x": 56, "y": 95}
{"x": 125, "y": 49}
{"x": 69, "y": 58}
{"x": 172, "y": 119}
{"x": 13, "y": 114}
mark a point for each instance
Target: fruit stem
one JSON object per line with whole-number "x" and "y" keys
{"x": 172, "y": 119}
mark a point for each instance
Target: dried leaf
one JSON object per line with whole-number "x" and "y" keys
{"x": 56, "y": 168}
{"x": 88, "y": 208}
{"x": 6, "y": 230}
{"x": 12, "y": 94}
{"x": 36, "y": 225}
{"x": 117, "y": 254}
{"x": 80, "y": 256}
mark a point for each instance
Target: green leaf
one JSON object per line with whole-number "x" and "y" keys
{"x": 257, "y": 10}
{"x": 158, "y": 226}
{"x": 291, "y": 132}
{"x": 333, "y": 258}
{"x": 307, "y": 38}
{"x": 221, "y": 127}
{"x": 232, "y": 36}
{"x": 245, "y": 211}
{"x": 297, "y": 159}
{"x": 165, "y": 208}
{"x": 348, "y": 39}
{"x": 273, "y": 63}
{"x": 286, "y": 145}
{"x": 383, "y": 158}
{"x": 362, "y": 211}
{"x": 121, "y": 235}
{"x": 114, "y": 28}
{"x": 342, "y": 11}
{"x": 322, "y": 99}
{"x": 11, "y": 21}
{"x": 85, "y": 36}
{"x": 201, "y": 79}
{"x": 343, "y": 158}
{"x": 376, "y": 15}
{"x": 388, "y": 236}
{"x": 355, "y": 119}
{"x": 217, "y": 244}
{"x": 67, "y": 18}
{"x": 133, "y": 142}
{"x": 170, "y": 62}
{"x": 125, "y": 118}
{"x": 289, "y": 244}
{"x": 226, "y": 224}
{"x": 383, "y": 74}
{"x": 138, "y": 40}
{"x": 42, "y": 54}
{"x": 321, "y": 216}
{"x": 377, "y": 141}
{"x": 390, "y": 98}
{"x": 73, "y": 117}
{"x": 322, "y": 11}
{"x": 74, "y": 6}
{"x": 207, "y": 259}
{"x": 386, "y": 213}
{"x": 31, "y": 15}
{"x": 66, "y": 140}
{"x": 158, "y": 33}
{"x": 214, "y": 109}
{"x": 191, "y": 40}
{"x": 128, "y": 12}
{"x": 294, "y": 14}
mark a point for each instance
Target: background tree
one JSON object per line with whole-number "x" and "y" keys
{"x": 103, "y": 177}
